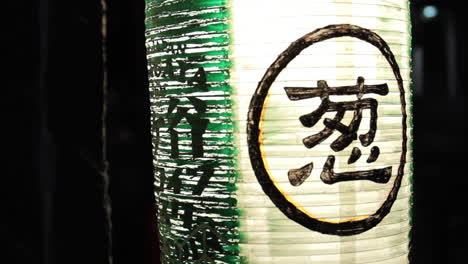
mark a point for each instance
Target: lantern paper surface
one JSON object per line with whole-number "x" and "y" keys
{"x": 281, "y": 130}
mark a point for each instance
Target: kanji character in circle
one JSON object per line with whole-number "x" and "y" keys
{"x": 281, "y": 200}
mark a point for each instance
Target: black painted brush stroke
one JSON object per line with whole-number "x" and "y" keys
{"x": 355, "y": 155}
{"x": 313, "y": 140}
{"x": 374, "y": 155}
{"x": 300, "y": 93}
{"x": 298, "y": 176}
{"x": 349, "y": 132}
{"x": 328, "y": 176}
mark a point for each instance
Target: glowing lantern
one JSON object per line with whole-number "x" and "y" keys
{"x": 282, "y": 130}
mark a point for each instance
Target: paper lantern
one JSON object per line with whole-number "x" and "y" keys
{"x": 281, "y": 130}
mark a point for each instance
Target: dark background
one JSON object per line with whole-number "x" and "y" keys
{"x": 51, "y": 189}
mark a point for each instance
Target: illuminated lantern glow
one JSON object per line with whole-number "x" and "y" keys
{"x": 282, "y": 130}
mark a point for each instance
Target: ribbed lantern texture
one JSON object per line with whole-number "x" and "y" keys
{"x": 281, "y": 130}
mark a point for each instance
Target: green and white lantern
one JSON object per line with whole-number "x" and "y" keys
{"x": 281, "y": 130}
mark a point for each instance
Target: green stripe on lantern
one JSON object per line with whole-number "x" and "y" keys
{"x": 188, "y": 64}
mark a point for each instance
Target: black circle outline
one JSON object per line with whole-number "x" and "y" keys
{"x": 346, "y": 228}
